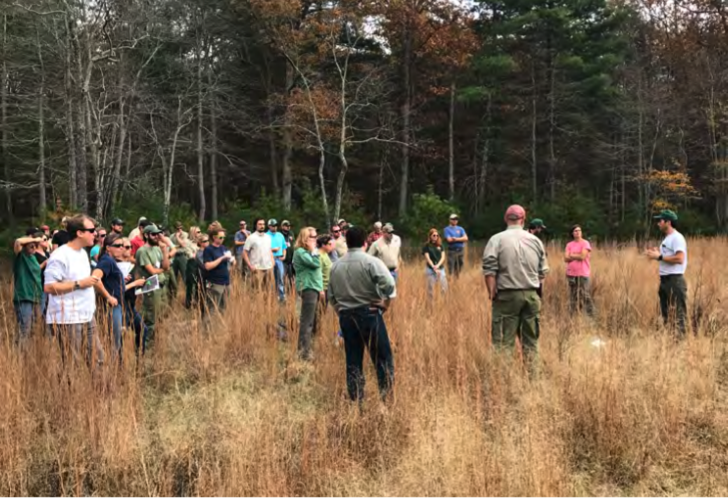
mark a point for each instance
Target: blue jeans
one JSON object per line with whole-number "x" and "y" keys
{"x": 115, "y": 317}
{"x": 26, "y": 313}
{"x": 364, "y": 328}
{"x": 73, "y": 337}
{"x": 141, "y": 333}
{"x": 279, "y": 271}
{"x": 433, "y": 278}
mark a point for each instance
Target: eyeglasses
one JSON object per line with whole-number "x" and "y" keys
{"x": 89, "y": 230}
{"x": 435, "y": 236}
{"x": 336, "y": 231}
{"x": 220, "y": 237}
{"x": 119, "y": 245}
{"x": 204, "y": 241}
{"x": 102, "y": 235}
{"x": 313, "y": 236}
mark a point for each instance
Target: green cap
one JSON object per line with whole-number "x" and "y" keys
{"x": 537, "y": 223}
{"x": 151, "y": 229}
{"x": 667, "y": 215}
{"x": 272, "y": 222}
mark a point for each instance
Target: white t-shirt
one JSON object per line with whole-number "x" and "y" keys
{"x": 673, "y": 243}
{"x": 69, "y": 265}
{"x": 259, "y": 251}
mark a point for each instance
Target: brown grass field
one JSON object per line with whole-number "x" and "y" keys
{"x": 234, "y": 412}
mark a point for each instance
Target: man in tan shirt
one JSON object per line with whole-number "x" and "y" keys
{"x": 387, "y": 249}
{"x": 514, "y": 264}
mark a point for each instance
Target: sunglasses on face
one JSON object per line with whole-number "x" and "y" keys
{"x": 204, "y": 241}
{"x": 119, "y": 246}
{"x": 102, "y": 235}
{"x": 88, "y": 230}
{"x": 337, "y": 231}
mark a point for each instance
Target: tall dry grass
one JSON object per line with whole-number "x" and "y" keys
{"x": 234, "y": 413}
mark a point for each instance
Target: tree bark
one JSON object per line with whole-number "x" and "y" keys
{"x": 71, "y": 137}
{"x": 406, "y": 123}
{"x": 287, "y": 175}
{"x": 534, "y": 136}
{"x": 200, "y": 145}
{"x": 42, "y": 201}
{"x": 451, "y": 145}
{"x": 213, "y": 144}
{"x": 4, "y": 119}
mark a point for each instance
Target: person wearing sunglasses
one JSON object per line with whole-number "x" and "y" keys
{"x": 435, "y": 262}
{"x": 71, "y": 298}
{"x": 240, "y": 237}
{"x": 339, "y": 243}
{"x": 196, "y": 273}
{"x": 27, "y": 290}
{"x": 96, "y": 249}
{"x": 111, "y": 287}
{"x": 309, "y": 286}
{"x": 216, "y": 259}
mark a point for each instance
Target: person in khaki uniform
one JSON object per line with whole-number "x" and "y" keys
{"x": 514, "y": 264}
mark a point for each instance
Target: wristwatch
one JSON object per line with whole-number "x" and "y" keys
{"x": 659, "y": 258}
{"x": 76, "y": 285}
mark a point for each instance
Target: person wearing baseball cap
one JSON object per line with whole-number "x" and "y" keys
{"x": 289, "y": 270}
{"x": 239, "y": 240}
{"x": 117, "y": 226}
{"x": 456, "y": 239}
{"x": 537, "y": 226}
{"x": 278, "y": 246}
{"x": 387, "y": 249}
{"x": 46, "y": 230}
{"x": 153, "y": 259}
{"x": 137, "y": 232}
{"x": 672, "y": 256}
{"x": 514, "y": 264}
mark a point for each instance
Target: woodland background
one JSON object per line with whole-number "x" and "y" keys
{"x": 590, "y": 111}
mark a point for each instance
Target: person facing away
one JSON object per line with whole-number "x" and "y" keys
{"x": 514, "y": 264}
{"x": 456, "y": 239}
{"x": 216, "y": 258}
{"x": 27, "y": 286}
{"x": 359, "y": 290}
{"x": 138, "y": 241}
{"x": 258, "y": 255}
{"x": 434, "y": 262}
{"x": 578, "y": 272}
{"x": 309, "y": 286}
{"x": 137, "y": 231}
{"x": 672, "y": 256}
{"x": 153, "y": 259}
{"x": 71, "y": 298}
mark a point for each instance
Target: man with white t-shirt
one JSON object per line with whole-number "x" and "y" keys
{"x": 673, "y": 258}
{"x": 258, "y": 255}
{"x": 71, "y": 299}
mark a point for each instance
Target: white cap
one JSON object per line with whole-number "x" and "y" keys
{"x": 454, "y": 216}
{"x": 378, "y": 225}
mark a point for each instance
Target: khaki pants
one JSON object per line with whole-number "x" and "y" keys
{"x": 516, "y": 314}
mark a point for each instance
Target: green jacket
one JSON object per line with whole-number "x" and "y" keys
{"x": 308, "y": 271}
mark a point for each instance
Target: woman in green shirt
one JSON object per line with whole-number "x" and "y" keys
{"x": 435, "y": 260}
{"x": 309, "y": 286}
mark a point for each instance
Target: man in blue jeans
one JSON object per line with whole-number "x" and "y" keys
{"x": 456, "y": 238}
{"x": 360, "y": 287}
{"x": 27, "y": 289}
{"x": 278, "y": 246}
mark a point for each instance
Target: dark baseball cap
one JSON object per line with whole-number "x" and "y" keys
{"x": 117, "y": 221}
{"x": 152, "y": 229}
{"x": 667, "y": 215}
{"x": 537, "y": 223}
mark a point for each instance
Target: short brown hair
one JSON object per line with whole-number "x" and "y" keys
{"x": 75, "y": 223}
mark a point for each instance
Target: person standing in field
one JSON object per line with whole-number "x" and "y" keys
{"x": 434, "y": 262}
{"x": 132, "y": 316}
{"x": 216, "y": 258}
{"x": 536, "y": 227}
{"x": 339, "y": 243}
{"x": 61, "y": 237}
{"x": 138, "y": 241}
{"x": 137, "y": 232}
{"x": 578, "y": 272}
{"x": 96, "y": 249}
{"x": 376, "y": 234}
{"x": 289, "y": 270}
{"x": 180, "y": 239}
{"x": 27, "y": 289}
{"x": 514, "y": 264}
{"x": 325, "y": 244}
{"x": 239, "y": 240}
{"x": 672, "y": 256}
{"x": 258, "y": 255}
{"x": 196, "y": 273}
{"x": 359, "y": 291}
{"x": 387, "y": 248}
{"x": 456, "y": 239}
{"x": 71, "y": 298}
{"x": 310, "y": 286}
{"x": 42, "y": 253}
{"x": 278, "y": 246}
{"x": 153, "y": 259}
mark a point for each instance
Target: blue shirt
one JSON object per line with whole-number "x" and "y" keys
{"x": 219, "y": 275}
{"x": 454, "y": 231}
{"x": 113, "y": 279}
{"x": 277, "y": 240}
{"x": 240, "y": 236}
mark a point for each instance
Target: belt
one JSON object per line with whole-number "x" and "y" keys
{"x": 360, "y": 309}
{"x": 673, "y": 275}
{"x": 518, "y": 290}
{"x": 455, "y": 249}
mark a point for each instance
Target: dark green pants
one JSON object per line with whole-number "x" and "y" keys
{"x": 179, "y": 266}
{"x": 516, "y": 314}
{"x": 152, "y": 303}
{"x": 580, "y": 295}
{"x": 673, "y": 301}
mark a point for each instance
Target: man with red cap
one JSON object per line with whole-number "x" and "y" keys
{"x": 514, "y": 264}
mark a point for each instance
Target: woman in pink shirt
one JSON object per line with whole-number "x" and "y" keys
{"x": 578, "y": 272}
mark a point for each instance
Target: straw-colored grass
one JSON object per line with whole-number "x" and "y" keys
{"x": 234, "y": 412}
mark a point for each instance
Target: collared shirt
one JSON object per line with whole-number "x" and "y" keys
{"x": 340, "y": 246}
{"x": 454, "y": 231}
{"x": 241, "y": 236}
{"x": 388, "y": 252}
{"x": 358, "y": 280}
{"x": 516, "y": 258}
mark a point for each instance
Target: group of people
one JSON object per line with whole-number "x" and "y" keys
{"x": 83, "y": 272}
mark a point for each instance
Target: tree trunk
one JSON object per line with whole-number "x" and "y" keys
{"x": 287, "y": 175}
{"x": 200, "y": 148}
{"x": 71, "y": 137}
{"x": 4, "y": 120}
{"x": 451, "y": 145}
{"x": 213, "y": 145}
{"x": 406, "y": 124}
{"x": 81, "y": 127}
{"x": 42, "y": 201}
{"x": 552, "y": 131}
{"x": 273, "y": 152}
{"x": 534, "y": 137}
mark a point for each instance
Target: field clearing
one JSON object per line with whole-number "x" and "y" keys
{"x": 234, "y": 413}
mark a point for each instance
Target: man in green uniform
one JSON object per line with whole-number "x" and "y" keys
{"x": 514, "y": 264}
{"x": 153, "y": 259}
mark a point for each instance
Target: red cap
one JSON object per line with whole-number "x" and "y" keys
{"x": 45, "y": 227}
{"x": 515, "y": 212}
